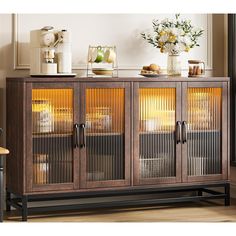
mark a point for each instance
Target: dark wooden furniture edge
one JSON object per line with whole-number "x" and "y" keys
{"x": 3, "y": 152}
{"x": 118, "y": 79}
{"x": 15, "y": 137}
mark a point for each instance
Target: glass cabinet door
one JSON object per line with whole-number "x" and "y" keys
{"x": 105, "y": 142}
{"x": 156, "y": 127}
{"x": 52, "y": 116}
{"x": 204, "y": 131}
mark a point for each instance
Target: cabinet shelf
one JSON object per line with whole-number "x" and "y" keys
{"x": 63, "y": 135}
{"x": 155, "y": 132}
{"x": 52, "y": 135}
{"x": 172, "y": 131}
{"x": 204, "y": 131}
{"x": 104, "y": 134}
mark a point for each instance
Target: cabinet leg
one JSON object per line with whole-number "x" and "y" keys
{"x": 24, "y": 208}
{"x": 8, "y": 199}
{"x": 227, "y": 192}
{"x": 199, "y": 192}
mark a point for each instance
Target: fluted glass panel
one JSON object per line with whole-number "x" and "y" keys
{"x": 157, "y": 111}
{"x": 204, "y": 131}
{"x": 105, "y": 122}
{"x": 52, "y": 127}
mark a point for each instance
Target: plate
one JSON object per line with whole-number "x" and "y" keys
{"x": 196, "y": 76}
{"x": 153, "y": 75}
{"x": 102, "y": 71}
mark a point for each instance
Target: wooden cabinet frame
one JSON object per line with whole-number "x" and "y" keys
{"x": 224, "y": 127}
{"x": 137, "y": 86}
{"x": 127, "y": 152}
{"x": 181, "y": 149}
{"x": 30, "y": 187}
{"x": 19, "y": 132}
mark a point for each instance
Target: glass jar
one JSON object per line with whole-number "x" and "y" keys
{"x": 42, "y": 117}
{"x": 174, "y": 65}
{"x": 63, "y": 120}
{"x": 99, "y": 119}
{"x": 41, "y": 169}
{"x": 196, "y": 68}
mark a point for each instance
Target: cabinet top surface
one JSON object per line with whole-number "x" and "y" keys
{"x": 117, "y": 79}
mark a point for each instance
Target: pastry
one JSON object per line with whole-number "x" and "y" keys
{"x": 146, "y": 68}
{"x": 151, "y": 69}
{"x": 154, "y": 67}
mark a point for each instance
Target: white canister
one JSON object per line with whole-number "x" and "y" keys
{"x": 49, "y": 68}
{"x": 64, "y": 62}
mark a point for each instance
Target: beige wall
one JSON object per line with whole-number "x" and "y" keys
{"x": 219, "y": 36}
{"x": 122, "y": 30}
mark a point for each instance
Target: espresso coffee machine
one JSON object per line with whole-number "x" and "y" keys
{"x": 50, "y": 52}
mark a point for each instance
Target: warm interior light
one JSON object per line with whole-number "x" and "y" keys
{"x": 105, "y": 109}
{"x": 52, "y": 110}
{"x": 203, "y": 104}
{"x": 157, "y": 109}
{"x": 57, "y": 97}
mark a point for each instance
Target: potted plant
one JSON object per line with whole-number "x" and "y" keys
{"x": 173, "y": 36}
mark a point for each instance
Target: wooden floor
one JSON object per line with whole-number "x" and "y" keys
{"x": 184, "y": 212}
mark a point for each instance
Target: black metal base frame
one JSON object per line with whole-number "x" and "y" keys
{"x": 203, "y": 193}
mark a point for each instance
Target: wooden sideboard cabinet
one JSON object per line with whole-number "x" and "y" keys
{"x": 87, "y": 137}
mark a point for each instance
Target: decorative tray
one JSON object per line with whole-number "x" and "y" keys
{"x": 153, "y": 75}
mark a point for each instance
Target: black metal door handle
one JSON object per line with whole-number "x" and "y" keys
{"x": 76, "y": 136}
{"x": 184, "y": 132}
{"x": 82, "y": 126}
{"x": 178, "y": 132}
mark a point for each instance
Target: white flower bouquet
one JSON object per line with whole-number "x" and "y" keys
{"x": 173, "y": 36}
